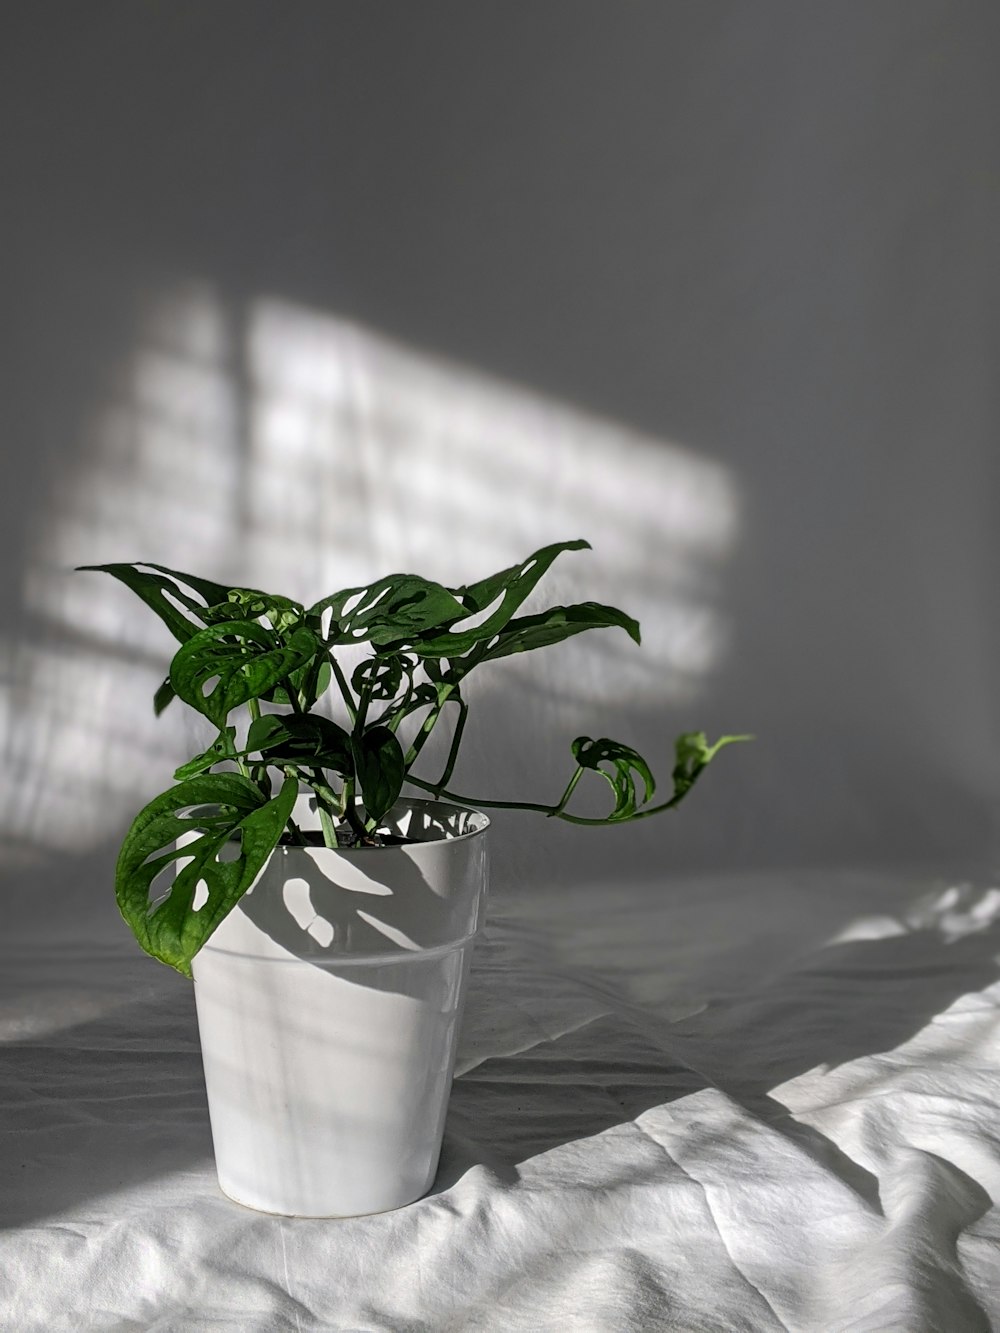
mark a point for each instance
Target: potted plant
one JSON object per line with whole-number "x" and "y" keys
{"x": 326, "y": 919}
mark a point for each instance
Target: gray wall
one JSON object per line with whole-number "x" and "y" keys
{"x": 713, "y": 284}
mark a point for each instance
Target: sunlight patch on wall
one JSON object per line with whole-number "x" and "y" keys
{"x": 273, "y": 445}
{"x": 365, "y": 456}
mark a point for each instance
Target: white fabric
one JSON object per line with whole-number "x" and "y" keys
{"x": 789, "y": 1126}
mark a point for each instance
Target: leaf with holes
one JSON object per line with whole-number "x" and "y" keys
{"x": 312, "y": 741}
{"x": 625, "y": 763}
{"x": 394, "y": 610}
{"x": 380, "y": 768}
{"x": 207, "y": 589}
{"x": 380, "y": 677}
{"x": 243, "y": 658}
{"x": 153, "y": 589}
{"x": 524, "y": 633}
{"x": 251, "y": 604}
{"x": 511, "y": 586}
{"x": 230, "y": 830}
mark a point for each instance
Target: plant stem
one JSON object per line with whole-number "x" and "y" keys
{"x": 290, "y": 771}
{"x": 472, "y": 801}
{"x": 327, "y": 804}
{"x": 351, "y": 810}
{"x": 327, "y": 825}
{"x": 395, "y": 713}
{"x": 570, "y": 788}
{"x": 456, "y": 741}
{"x": 352, "y": 711}
{"x": 555, "y": 811}
{"x": 429, "y": 723}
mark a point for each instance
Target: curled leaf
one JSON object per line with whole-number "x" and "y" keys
{"x": 625, "y": 765}
{"x": 379, "y": 677}
{"x": 692, "y": 755}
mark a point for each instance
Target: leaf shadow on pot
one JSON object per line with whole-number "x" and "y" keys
{"x": 331, "y": 912}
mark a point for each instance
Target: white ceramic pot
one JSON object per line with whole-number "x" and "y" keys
{"x": 329, "y": 1002}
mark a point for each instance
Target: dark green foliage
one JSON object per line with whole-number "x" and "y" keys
{"x": 390, "y": 611}
{"x": 245, "y": 661}
{"x": 380, "y": 768}
{"x": 218, "y": 812}
{"x": 306, "y": 739}
{"x": 270, "y": 659}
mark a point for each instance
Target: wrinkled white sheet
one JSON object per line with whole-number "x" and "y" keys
{"x": 748, "y": 1102}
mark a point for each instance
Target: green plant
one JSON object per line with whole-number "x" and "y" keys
{"x": 273, "y": 659}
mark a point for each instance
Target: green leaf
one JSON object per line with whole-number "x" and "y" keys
{"x": 223, "y": 747}
{"x": 251, "y": 604}
{"x": 692, "y": 755}
{"x": 219, "y": 601}
{"x": 309, "y": 740}
{"x": 524, "y": 633}
{"x": 225, "y": 812}
{"x": 625, "y": 763}
{"x": 394, "y": 610}
{"x": 380, "y": 768}
{"x": 247, "y": 659}
{"x": 264, "y": 731}
{"x": 309, "y": 682}
{"x": 512, "y": 585}
{"x": 379, "y": 677}
{"x": 152, "y": 588}
{"x": 163, "y": 696}
{"x": 210, "y": 592}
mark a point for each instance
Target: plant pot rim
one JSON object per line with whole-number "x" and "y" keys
{"x": 439, "y": 809}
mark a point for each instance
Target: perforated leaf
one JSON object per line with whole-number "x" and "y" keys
{"x": 510, "y": 585}
{"x": 379, "y": 677}
{"x": 626, "y": 765}
{"x": 251, "y": 604}
{"x": 153, "y": 589}
{"x": 394, "y": 610}
{"x": 524, "y": 633}
{"x": 232, "y": 830}
{"x": 244, "y": 660}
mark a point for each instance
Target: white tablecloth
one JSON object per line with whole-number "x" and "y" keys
{"x": 744, "y": 1102}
